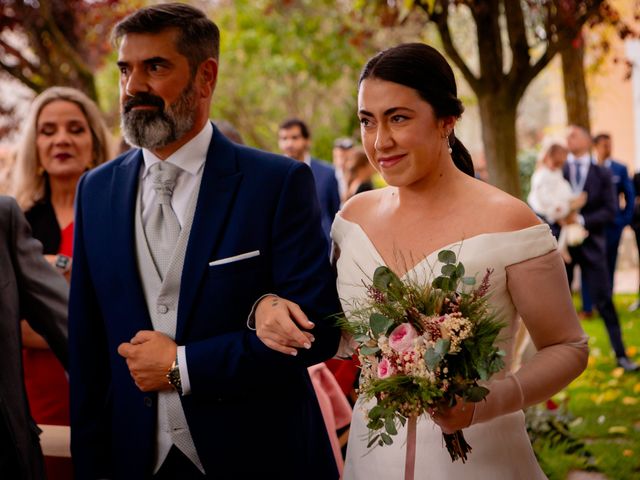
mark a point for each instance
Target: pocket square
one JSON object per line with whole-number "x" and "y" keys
{"x": 235, "y": 258}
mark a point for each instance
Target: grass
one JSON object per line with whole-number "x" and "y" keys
{"x": 605, "y": 405}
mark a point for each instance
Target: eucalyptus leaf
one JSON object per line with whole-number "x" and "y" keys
{"x": 460, "y": 270}
{"x": 379, "y": 324}
{"x": 383, "y": 277}
{"x": 376, "y": 412}
{"x": 369, "y": 350}
{"x": 431, "y": 358}
{"x": 376, "y": 424}
{"x": 373, "y": 440}
{"x": 443, "y": 283}
{"x": 442, "y": 346}
{"x": 447, "y": 256}
{"x": 386, "y": 438}
{"x": 390, "y": 426}
{"x": 469, "y": 280}
{"x": 362, "y": 338}
{"x": 476, "y": 394}
{"x": 448, "y": 270}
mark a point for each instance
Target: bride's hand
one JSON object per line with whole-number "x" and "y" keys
{"x": 279, "y": 323}
{"x": 455, "y": 418}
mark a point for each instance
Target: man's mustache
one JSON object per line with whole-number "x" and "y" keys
{"x": 143, "y": 99}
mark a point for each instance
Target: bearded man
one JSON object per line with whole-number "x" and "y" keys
{"x": 175, "y": 242}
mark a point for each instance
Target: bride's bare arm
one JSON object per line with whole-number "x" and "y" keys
{"x": 540, "y": 293}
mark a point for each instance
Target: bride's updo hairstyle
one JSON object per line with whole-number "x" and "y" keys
{"x": 424, "y": 69}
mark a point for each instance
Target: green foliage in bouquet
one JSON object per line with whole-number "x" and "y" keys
{"x": 424, "y": 346}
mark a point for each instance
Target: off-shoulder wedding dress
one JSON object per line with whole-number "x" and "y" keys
{"x": 528, "y": 281}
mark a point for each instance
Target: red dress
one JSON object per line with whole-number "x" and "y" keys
{"x": 47, "y": 386}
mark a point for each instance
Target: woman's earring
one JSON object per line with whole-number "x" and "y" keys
{"x": 40, "y": 170}
{"x": 448, "y": 144}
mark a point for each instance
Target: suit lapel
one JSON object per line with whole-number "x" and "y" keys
{"x": 220, "y": 181}
{"x": 123, "y": 201}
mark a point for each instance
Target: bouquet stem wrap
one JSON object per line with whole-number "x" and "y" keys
{"x": 410, "y": 460}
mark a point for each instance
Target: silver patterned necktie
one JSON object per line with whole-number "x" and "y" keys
{"x": 163, "y": 228}
{"x": 162, "y": 231}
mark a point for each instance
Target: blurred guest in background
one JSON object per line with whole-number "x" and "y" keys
{"x": 229, "y": 130}
{"x": 625, "y": 195}
{"x": 341, "y": 148}
{"x": 294, "y": 140}
{"x": 64, "y": 136}
{"x": 552, "y": 197}
{"x": 32, "y": 290}
{"x": 599, "y": 211}
{"x": 358, "y": 172}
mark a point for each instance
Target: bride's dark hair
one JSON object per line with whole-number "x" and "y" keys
{"x": 423, "y": 68}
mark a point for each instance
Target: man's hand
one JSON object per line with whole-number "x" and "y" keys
{"x": 149, "y": 356}
{"x": 276, "y": 320}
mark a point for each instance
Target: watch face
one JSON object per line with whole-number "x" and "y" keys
{"x": 62, "y": 262}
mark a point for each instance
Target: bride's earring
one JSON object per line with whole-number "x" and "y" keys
{"x": 446, "y": 135}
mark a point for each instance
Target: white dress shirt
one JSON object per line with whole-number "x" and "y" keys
{"x": 582, "y": 162}
{"x": 190, "y": 158}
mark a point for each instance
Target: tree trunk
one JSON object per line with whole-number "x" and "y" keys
{"x": 498, "y": 118}
{"x": 575, "y": 88}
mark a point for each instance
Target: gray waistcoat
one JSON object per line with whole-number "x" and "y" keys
{"x": 162, "y": 301}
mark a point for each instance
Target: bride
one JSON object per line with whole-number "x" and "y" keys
{"x": 408, "y": 108}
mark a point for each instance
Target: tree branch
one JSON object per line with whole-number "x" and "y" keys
{"x": 16, "y": 72}
{"x": 441, "y": 22}
{"x": 517, "y": 37}
{"x": 486, "y": 14}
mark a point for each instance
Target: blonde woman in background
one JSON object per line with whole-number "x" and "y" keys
{"x": 64, "y": 135}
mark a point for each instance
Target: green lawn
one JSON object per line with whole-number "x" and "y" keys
{"x": 605, "y": 405}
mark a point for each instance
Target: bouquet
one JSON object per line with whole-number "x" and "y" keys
{"x": 423, "y": 347}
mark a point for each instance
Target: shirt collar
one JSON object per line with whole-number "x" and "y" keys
{"x": 189, "y": 157}
{"x": 307, "y": 158}
{"x": 582, "y": 160}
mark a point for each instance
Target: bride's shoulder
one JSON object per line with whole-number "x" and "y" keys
{"x": 359, "y": 206}
{"x": 504, "y": 211}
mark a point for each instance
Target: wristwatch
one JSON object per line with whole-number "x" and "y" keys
{"x": 63, "y": 263}
{"x": 173, "y": 375}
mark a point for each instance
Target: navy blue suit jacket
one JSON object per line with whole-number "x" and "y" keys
{"x": 623, "y": 185}
{"x": 598, "y": 212}
{"x": 252, "y": 412}
{"x": 328, "y": 193}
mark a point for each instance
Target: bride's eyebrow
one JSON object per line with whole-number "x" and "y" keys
{"x": 388, "y": 112}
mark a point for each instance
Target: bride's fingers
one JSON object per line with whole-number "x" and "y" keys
{"x": 278, "y": 347}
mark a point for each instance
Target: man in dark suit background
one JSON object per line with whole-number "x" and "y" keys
{"x": 294, "y": 140}
{"x": 623, "y": 189}
{"x": 635, "y": 225}
{"x": 585, "y": 175}
{"x": 30, "y": 289}
{"x": 625, "y": 198}
{"x": 175, "y": 242}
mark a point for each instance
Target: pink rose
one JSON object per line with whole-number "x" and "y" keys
{"x": 402, "y": 337}
{"x": 385, "y": 368}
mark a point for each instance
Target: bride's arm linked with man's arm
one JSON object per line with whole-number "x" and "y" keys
{"x": 548, "y": 314}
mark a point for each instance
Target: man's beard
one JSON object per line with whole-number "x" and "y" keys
{"x": 153, "y": 129}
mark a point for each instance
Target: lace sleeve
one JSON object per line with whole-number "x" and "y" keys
{"x": 540, "y": 293}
